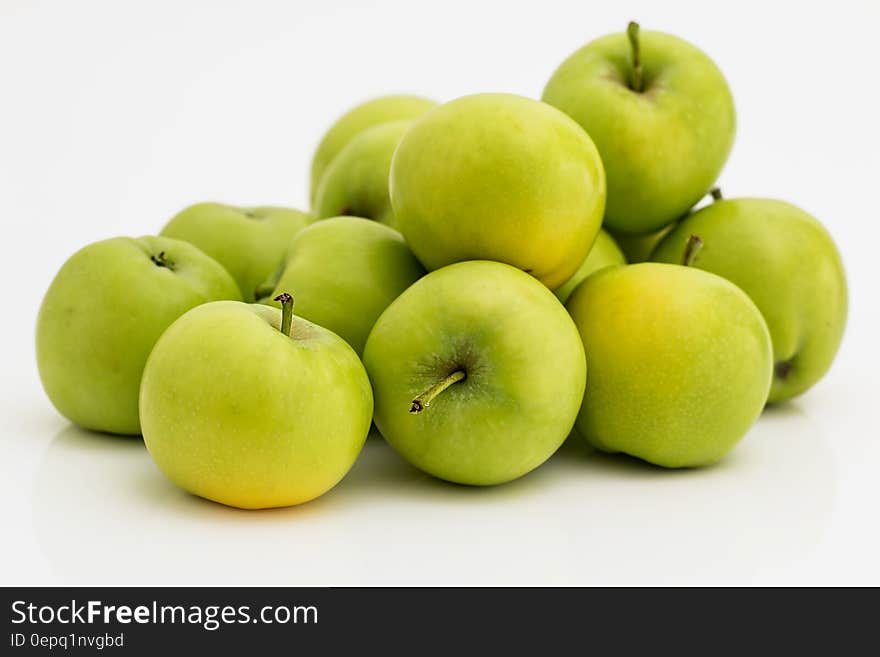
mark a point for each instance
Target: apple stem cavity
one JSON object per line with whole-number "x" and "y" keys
{"x": 424, "y": 400}
{"x": 716, "y": 194}
{"x": 637, "y": 82}
{"x": 161, "y": 261}
{"x": 694, "y": 244}
{"x": 286, "y": 312}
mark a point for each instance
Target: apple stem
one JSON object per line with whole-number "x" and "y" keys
{"x": 636, "y": 83}
{"x": 694, "y": 244}
{"x": 424, "y": 400}
{"x": 161, "y": 261}
{"x": 716, "y": 194}
{"x": 286, "y": 312}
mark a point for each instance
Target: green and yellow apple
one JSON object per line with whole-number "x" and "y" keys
{"x": 251, "y": 407}
{"x": 478, "y": 373}
{"x": 786, "y": 261}
{"x": 499, "y": 177}
{"x": 661, "y": 115}
{"x": 345, "y": 271}
{"x": 604, "y": 253}
{"x": 363, "y": 116}
{"x": 103, "y": 313}
{"x": 356, "y": 182}
{"x": 680, "y": 363}
{"x": 638, "y": 248}
{"x": 248, "y": 241}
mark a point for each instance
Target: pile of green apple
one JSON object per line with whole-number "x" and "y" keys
{"x": 462, "y": 281}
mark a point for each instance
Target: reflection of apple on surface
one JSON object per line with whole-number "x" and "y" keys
{"x": 356, "y": 182}
{"x": 661, "y": 115}
{"x": 499, "y": 177}
{"x": 345, "y": 271}
{"x": 248, "y": 241}
{"x": 604, "y": 253}
{"x": 680, "y": 363}
{"x": 478, "y": 373}
{"x": 788, "y": 264}
{"x": 356, "y": 120}
{"x": 103, "y": 313}
{"x": 251, "y": 407}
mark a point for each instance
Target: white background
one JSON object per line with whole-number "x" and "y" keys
{"x": 114, "y": 115}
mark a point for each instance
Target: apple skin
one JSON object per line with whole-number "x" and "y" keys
{"x": 662, "y": 148}
{"x": 235, "y": 411}
{"x": 523, "y": 360}
{"x": 680, "y": 363}
{"x": 103, "y": 313}
{"x": 499, "y": 177}
{"x": 344, "y": 271}
{"x": 786, "y": 261}
{"x": 359, "y": 118}
{"x": 604, "y": 253}
{"x": 638, "y": 248}
{"x": 356, "y": 182}
{"x": 249, "y": 241}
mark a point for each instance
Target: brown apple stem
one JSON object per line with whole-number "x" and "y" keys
{"x": 161, "y": 261}
{"x": 716, "y": 194}
{"x": 636, "y": 82}
{"x": 286, "y": 312}
{"x": 694, "y": 244}
{"x": 424, "y": 400}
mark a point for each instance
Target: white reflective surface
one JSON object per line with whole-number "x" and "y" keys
{"x": 103, "y": 513}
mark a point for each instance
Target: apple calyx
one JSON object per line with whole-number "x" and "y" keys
{"x": 636, "y": 82}
{"x": 694, "y": 244}
{"x": 782, "y": 369}
{"x": 286, "y": 312}
{"x": 716, "y": 194}
{"x": 424, "y": 400}
{"x": 161, "y": 261}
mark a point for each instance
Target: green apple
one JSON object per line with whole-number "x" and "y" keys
{"x": 604, "y": 253}
{"x": 638, "y": 248}
{"x": 661, "y": 115}
{"x": 248, "y": 241}
{"x": 345, "y": 271}
{"x": 478, "y": 373}
{"x": 788, "y": 264}
{"x": 103, "y": 313}
{"x": 499, "y": 177}
{"x": 373, "y": 112}
{"x": 680, "y": 363}
{"x": 356, "y": 182}
{"x": 253, "y": 408}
